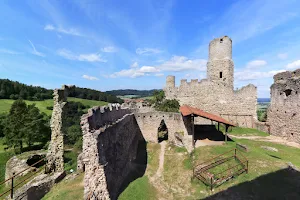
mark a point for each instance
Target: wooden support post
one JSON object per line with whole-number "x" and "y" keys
{"x": 211, "y": 183}
{"x": 235, "y": 153}
{"x": 226, "y": 129}
{"x": 12, "y": 187}
{"x": 193, "y": 130}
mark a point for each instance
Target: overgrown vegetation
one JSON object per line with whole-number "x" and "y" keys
{"x": 262, "y": 115}
{"x": 162, "y": 104}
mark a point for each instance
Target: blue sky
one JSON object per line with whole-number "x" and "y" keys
{"x": 112, "y": 44}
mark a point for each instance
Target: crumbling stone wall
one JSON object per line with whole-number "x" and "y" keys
{"x": 284, "y": 110}
{"x": 175, "y": 122}
{"x": 216, "y": 94}
{"x": 55, "y": 161}
{"x": 114, "y": 151}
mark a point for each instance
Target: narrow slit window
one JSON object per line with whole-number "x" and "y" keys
{"x": 221, "y": 75}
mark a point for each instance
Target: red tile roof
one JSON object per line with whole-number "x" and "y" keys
{"x": 187, "y": 110}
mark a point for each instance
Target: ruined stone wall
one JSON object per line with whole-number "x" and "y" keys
{"x": 284, "y": 110}
{"x": 114, "y": 151}
{"x": 215, "y": 94}
{"x": 236, "y": 106}
{"x": 175, "y": 122}
{"x": 55, "y": 161}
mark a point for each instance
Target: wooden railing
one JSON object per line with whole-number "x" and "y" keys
{"x": 14, "y": 177}
{"x": 200, "y": 171}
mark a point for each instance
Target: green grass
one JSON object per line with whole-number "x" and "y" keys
{"x": 247, "y": 132}
{"x": 240, "y": 131}
{"x": 139, "y": 189}
{"x": 67, "y": 189}
{"x": 261, "y": 162}
{"x": 5, "y": 104}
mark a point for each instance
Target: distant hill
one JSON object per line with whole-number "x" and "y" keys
{"x": 263, "y": 100}
{"x": 140, "y": 93}
{"x": 15, "y": 90}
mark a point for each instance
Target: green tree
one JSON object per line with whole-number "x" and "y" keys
{"x": 159, "y": 96}
{"x": 15, "y": 128}
{"x": 169, "y": 106}
{"x": 2, "y": 120}
{"x": 25, "y": 124}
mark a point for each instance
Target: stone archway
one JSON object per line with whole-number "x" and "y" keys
{"x": 162, "y": 131}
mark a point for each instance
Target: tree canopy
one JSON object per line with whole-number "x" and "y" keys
{"x": 25, "y": 124}
{"x": 165, "y": 105}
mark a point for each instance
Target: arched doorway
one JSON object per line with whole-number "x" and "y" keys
{"x": 162, "y": 132}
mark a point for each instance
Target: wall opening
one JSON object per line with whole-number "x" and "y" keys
{"x": 221, "y": 74}
{"x": 162, "y": 132}
{"x": 221, "y": 40}
{"x": 288, "y": 92}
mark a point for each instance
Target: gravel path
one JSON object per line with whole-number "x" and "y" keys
{"x": 161, "y": 159}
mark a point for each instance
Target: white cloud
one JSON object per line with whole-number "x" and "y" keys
{"x": 134, "y": 65}
{"x": 159, "y": 74}
{"x": 7, "y": 51}
{"x": 109, "y": 49}
{"x": 91, "y": 78}
{"x": 247, "y": 75}
{"x": 147, "y": 51}
{"x": 182, "y": 63}
{"x": 49, "y": 27}
{"x": 35, "y": 52}
{"x": 176, "y": 63}
{"x": 70, "y": 31}
{"x": 293, "y": 65}
{"x": 282, "y": 56}
{"x": 255, "y": 64}
{"x": 148, "y": 69}
{"x": 132, "y": 73}
{"x": 81, "y": 57}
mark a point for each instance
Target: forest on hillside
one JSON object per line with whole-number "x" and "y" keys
{"x": 140, "y": 93}
{"x": 15, "y": 90}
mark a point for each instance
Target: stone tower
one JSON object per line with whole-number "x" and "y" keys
{"x": 170, "y": 82}
{"x": 220, "y": 67}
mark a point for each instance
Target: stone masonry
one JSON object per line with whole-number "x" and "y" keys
{"x": 55, "y": 161}
{"x": 114, "y": 151}
{"x": 175, "y": 122}
{"x": 284, "y": 111}
{"x": 216, "y": 94}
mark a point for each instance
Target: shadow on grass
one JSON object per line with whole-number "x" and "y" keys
{"x": 282, "y": 184}
{"x": 209, "y": 132}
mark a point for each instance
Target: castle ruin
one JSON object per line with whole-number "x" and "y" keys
{"x": 55, "y": 160}
{"x": 283, "y": 113}
{"x": 216, "y": 94}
